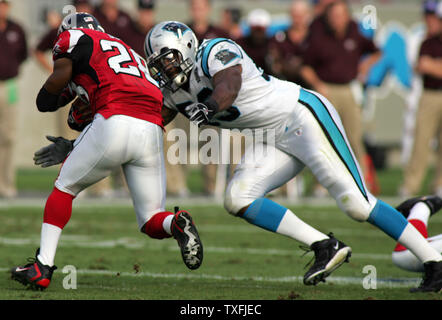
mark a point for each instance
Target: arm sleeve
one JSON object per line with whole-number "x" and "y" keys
{"x": 46, "y": 101}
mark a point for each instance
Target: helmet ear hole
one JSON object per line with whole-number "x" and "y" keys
{"x": 189, "y": 45}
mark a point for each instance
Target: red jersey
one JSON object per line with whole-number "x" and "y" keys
{"x": 110, "y": 75}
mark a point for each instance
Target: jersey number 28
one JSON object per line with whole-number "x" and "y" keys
{"x": 124, "y": 57}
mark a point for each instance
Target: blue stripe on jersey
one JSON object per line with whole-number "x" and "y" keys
{"x": 206, "y": 52}
{"x": 334, "y": 135}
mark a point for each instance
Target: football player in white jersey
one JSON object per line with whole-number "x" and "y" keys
{"x": 217, "y": 83}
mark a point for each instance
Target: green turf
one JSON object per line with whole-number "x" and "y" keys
{"x": 35, "y": 179}
{"x": 115, "y": 261}
{"x": 41, "y": 180}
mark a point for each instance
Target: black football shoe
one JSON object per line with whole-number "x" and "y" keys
{"x": 34, "y": 274}
{"x": 330, "y": 254}
{"x": 432, "y": 279}
{"x": 185, "y": 233}
{"x": 433, "y": 202}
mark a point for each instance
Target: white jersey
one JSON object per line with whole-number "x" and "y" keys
{"x": 263, "y": 101}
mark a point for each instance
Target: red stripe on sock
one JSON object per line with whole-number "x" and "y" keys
{"x": 154, "y": 227}
{"x": 420, "y": 226}
{"x": 58, "y": 208}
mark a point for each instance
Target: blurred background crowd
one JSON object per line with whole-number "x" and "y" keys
{"x": 378, "y": 62}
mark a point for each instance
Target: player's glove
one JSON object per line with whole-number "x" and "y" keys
{"x": 80, "y": 115}
{"x": 200, "y": 113}
{"x": 54, "y": 153}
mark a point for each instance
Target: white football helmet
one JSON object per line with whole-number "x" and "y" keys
{"x": 170, "y": 49}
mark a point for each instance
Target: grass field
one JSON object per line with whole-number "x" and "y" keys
{"x": 41, "y": 181}
{"x": 115, "y": 261}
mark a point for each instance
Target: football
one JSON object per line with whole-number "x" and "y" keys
{"x": 80, "y": 115}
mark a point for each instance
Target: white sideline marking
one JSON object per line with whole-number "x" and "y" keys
{"x": 85, "y": 241}
{"x": 386, "y": 283}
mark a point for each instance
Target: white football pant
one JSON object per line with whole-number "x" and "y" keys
{"x": 315, "y": 138}
{"x": 107, "y": 144}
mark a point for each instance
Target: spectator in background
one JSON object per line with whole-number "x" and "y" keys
{"x": 319, "y": 7}
{"x": 53, "y": 20}
{"x": 335, "y": 56}
{"x": 287, "y": 47}
{"x": 145, "y": 21}
{"x": 114, "y": 21}
{"x": 429, "y": 114}
{"x": 230, "y": 23}
{"x": 413, "y": 95}
{"x": 200, "y": 24}
{"x": 431, "y": 19}
{"x": 83, "y": 6}
{"x": 13, "y": 40}
{"x": 257, "y": 43}
{"x": 433, "y": 28}
{"x": 319, "y": 21}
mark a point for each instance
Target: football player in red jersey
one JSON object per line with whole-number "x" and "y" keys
{"x": 125, "y": 102}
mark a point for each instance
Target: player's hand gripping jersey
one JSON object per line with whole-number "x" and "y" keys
{"x": 109, "y": 75}
{"x": 263, "y": 101}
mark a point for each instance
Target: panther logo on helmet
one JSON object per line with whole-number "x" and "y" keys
{"x": 176, "y": 28}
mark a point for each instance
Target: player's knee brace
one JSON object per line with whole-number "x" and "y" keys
{"x": 355, "y": 207}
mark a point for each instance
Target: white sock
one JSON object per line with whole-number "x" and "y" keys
{"x": 167, "y": 223}
{"x": 297, "y": 229}
{"x": 408, "y": 261}
{"x": 413, "y": 240}
{"x": 420, "y": 212}
{"x": 50, "y": 235}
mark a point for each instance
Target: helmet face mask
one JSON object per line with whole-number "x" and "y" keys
{"x": 79, "y": 20}
{"x": 170, "y": 50}
{"x": 169, "y": 69}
